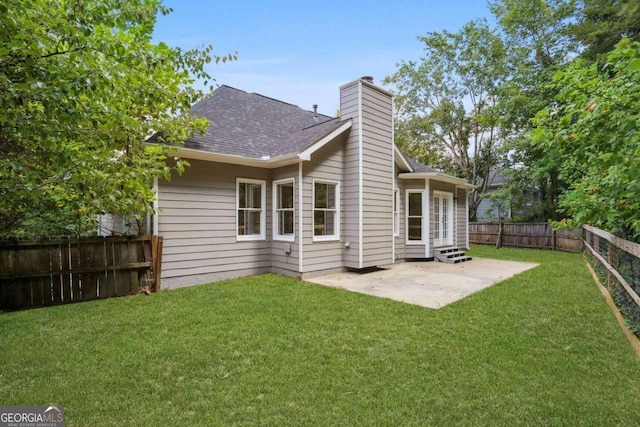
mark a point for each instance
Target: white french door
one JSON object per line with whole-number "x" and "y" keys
{"x": 442, "y": 219}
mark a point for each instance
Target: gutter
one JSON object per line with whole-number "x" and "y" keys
{"x": 266, "y": 161}
{"x": 461, "y": 183}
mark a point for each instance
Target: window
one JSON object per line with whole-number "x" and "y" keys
{"x": 251, "y": 197}
{"x": 325, "y": 211}
{"x": 414, "y": 216}
{"x": 283, "y": 210}
{"x": 396, "y": 216}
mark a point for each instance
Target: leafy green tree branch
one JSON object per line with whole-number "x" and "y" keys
{"x": 81, "y": 88}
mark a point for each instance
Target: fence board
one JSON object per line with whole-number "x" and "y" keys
{"x": 94, "y": 257}
{"x": 607, "y": 254}
{"x": 55, "y": 280}
{"x": 617, "y": 261}
{"x": 625, "y": 245}
{"x": 634, "y": 296}
{"x": 75, "y": 261}
{"x": 37, "y": 273}
{"x": 525, "y": 235}
{"x": 25, "y": 293}
{"x": 122, "y": 283}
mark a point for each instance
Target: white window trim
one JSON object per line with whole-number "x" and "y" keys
{"x": 263, "y": 209}
{"x": 335, "y": 236}
{"x": 283, "y": 237}
{"x": 396, "y": 213}
{"x": 406, "y": 209}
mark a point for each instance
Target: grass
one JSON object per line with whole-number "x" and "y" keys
{"x": 541, "y": 348}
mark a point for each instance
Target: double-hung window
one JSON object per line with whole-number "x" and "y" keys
{"x": 326, "y": 210}
{"x": 250, "y": 205}
{"x": 283, "y": 210}
{"x": 414, "y": 216}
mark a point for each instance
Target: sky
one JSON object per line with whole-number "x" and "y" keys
{"x": 302, "y": 51}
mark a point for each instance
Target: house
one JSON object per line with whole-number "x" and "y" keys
{"x": 275, "y": 188}
{"x": 504, "y": 207}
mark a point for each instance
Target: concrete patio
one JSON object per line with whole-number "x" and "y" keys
{"x": 428, "y": 284}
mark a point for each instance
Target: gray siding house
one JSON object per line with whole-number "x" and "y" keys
{"x": 275, "y": 188}
{"x": 512, "y": 206}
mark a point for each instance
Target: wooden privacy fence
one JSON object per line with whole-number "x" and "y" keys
{"x": 525, "y": 235}
{"x": 43, "y": 272}
{"x": 618, "y": 262}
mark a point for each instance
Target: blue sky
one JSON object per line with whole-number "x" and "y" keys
{"x": 302, "y": 51}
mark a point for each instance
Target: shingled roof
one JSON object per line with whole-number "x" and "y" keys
{"x": 258, "y": 128}
{"x": 419, "y": 167}
{"x": 255, "y": 126}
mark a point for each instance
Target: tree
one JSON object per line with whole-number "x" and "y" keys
{"x": 593, "y": 126}
{"x": 539, "y": 44}
{"x": 603, "y": 23}
{"x": 81, "y": 87}
{"x": 446, "y": 108}
{"x": 545, "y": 36}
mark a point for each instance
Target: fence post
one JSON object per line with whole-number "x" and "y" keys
{"x": 596, "y": 248}
{"x": 156, "y": 254}
{"x": 611, "y": 280}
{"x": 553, "y": 239}
{"x": 499, "y": 241}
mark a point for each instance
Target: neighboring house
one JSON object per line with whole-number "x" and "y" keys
{"x": 275, "y": 188}
{"x": 504, "y": 209}
{"x": 117, "y": 225}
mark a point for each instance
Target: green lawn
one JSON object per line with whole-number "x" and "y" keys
{"x": 542, "y": 348}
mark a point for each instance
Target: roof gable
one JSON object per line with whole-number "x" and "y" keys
{"x": 255, "y": 130}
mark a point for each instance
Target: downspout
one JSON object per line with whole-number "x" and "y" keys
{"x": 360, "y": 178}
{"x": 156, "y": 204}
{"x": 393, "y": 187}
{"x": 425, "y": 205}
{"x": 300, "y": 224}
{"x": 466, "y": 199}
{"x": 455, "y": 217}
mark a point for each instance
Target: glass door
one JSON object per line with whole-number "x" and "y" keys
{"x": 442, "y": 219}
